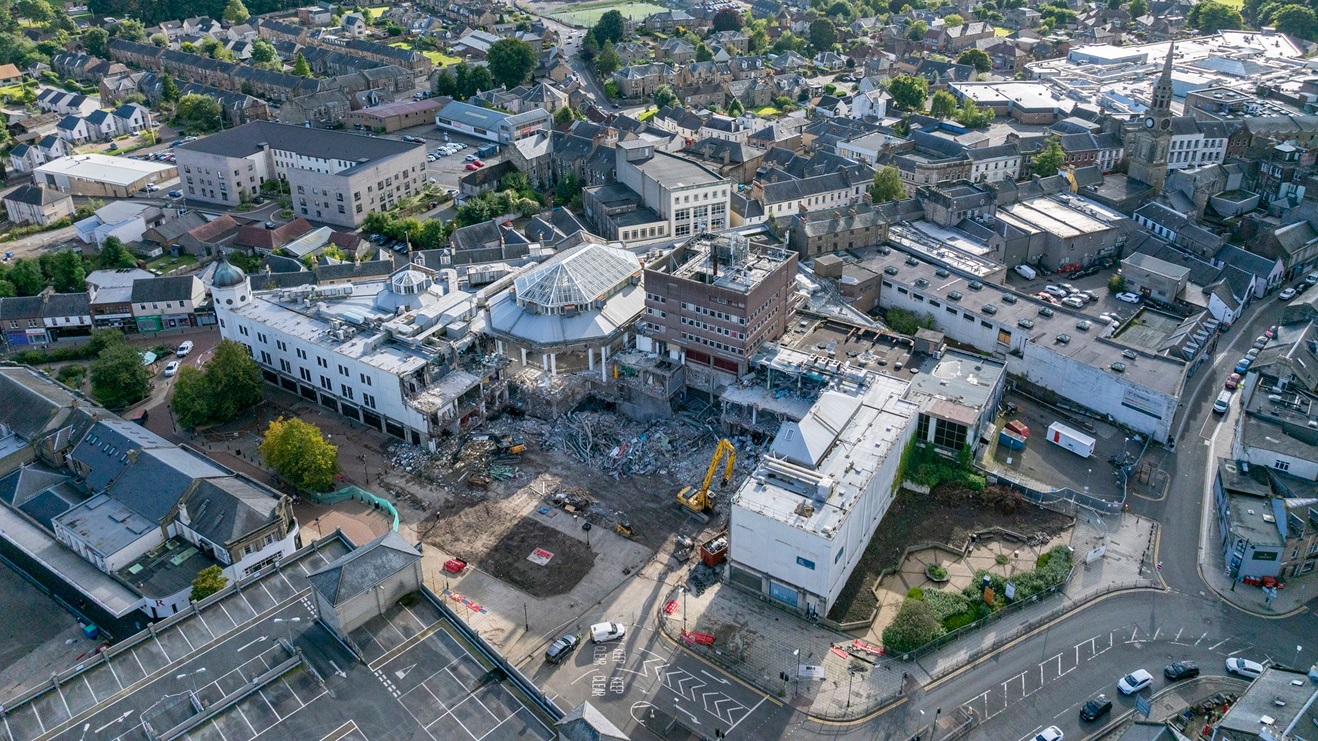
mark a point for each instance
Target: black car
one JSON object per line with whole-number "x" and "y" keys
{"x": 1180, "y": 670}
{"x": 559, "y": 650}
{"x": 1096, "y": 708}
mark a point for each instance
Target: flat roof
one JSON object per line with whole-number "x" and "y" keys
{"x": 1272, "y": 701}
{"x": 245, "y": 140}
{"x": 674, "y": 172}
{"x": 472, "y": 115}
{"x": 103, "y": 169}
{"x": 966, "y": 378}
{"x": 402, "y": 107}
{"x": 1026, "y": 95}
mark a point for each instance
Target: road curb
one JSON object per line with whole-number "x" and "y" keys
{"x": 1229, "y": 602}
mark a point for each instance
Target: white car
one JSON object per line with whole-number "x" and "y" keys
{"x": 1075, "y": 302}
{"x": 171, "y": 369}
{"x": 601, "y": 632}
{"x": 1134, "y": 682}
{"x": 184, "y": 349}
{"x": 1057, "y": 291}
{"x": 1244, "y": 668}
{"x": 1051, "y": 733}
{"x": 1286, "y": 294}
{"x": 470, "y": 158}
{"x": 1130, "y": 298}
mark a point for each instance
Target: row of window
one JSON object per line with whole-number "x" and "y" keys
{"x": 714, "y": 313}
{"x": 725, "y": 347}
{"x": 713, "y": 328}
{"x": 346, "y": 391}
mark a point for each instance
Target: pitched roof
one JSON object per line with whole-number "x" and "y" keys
{"x": 214, "y": 229}
{"x": 355, "y": 573}
{"x": 226, "y": 508}
{"x": 170, "y": 288}
{"x": 256, "y": 235}
{"x": 35, "y": 195}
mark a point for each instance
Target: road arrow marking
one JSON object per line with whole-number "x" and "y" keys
{"x": 687, "y": 713}
{"x": 337, "y": 670}
{"x": 120, "y": 719}
{"x": 711, "y": 676}
{"x": 249, "y": 643}
{"x": 403, "y": 672}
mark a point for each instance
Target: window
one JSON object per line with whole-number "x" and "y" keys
{"x": 285, "y": 366}
{"x": 805, "y": 562}
{"x": 368, "y": 400}
{"x": 301, "y": 354}
{"x": 306, "y": 374}
{"x": 347, "y": 390}
{"x": 283, "y": 347}
{"x": 1281, "y": 465}
{"x": 322, "y": 362}
{"x": 343, "y": 370}
{"x": 838, "y": 556}
{"x": 326, "y": 384}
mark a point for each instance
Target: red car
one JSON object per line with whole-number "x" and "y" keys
{"x": 1232, "y": 381}
{"x": 472, "y": 166}
{"x": 478, "y": 163}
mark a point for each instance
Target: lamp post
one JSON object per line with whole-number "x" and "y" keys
{"x": 192, "y": 675}
{"x": 288, "y": 628}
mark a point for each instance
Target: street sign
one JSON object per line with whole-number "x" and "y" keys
{"x": 1143, "y": 705}
{"x": 1011, "y": 590}
{"x": 812, "y": 671}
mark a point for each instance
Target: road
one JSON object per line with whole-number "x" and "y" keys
{"x": 645, "y": 684}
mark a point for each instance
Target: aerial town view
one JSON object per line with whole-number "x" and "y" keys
{"x": 767, "y": 370}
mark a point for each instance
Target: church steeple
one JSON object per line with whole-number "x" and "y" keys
{"x": 1161, "y": 104}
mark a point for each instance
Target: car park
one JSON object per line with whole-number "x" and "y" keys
{"x": 171, "y": 368}
{"x": 1244, "y": 667}
{"x": 1130, "y": 298}
{"x": 1179, "y": 670}
{"x": 1286, "y": 294}
{"x": 1096, "y": 708}
{"x": 562, "y": 648}
{"x": 601, "y": 632}
{"x": 1134, "y": 682}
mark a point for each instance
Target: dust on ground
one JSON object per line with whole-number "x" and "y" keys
{"x": 948, "y": 514}
{"x": 509, "y": 559}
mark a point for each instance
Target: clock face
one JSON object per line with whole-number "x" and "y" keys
{"x": 1149, "y": 122}
{"x": 1166, "y": 123}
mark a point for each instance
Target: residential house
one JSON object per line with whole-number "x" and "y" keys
{"x": 76, "y": 131}
{"x": 33, "y": 204}
{"x": 167, "y": 302}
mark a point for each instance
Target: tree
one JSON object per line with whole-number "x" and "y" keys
{"x": 590, "y": 48}
{"x": 887, "y": 185}
{"x": 952, "y": 20}
{"x": 972, "y": 116}
{"x": 300, "y": 454}
{"x": 608, "y": 59}
{"x": 511, "y": 61}
{"x": 942, "y": 105}
{"x": 227, "y": 385}
{"x": 823, "y": 34}
{"x": 114, "y": 256}
{"x": 1296, "y": 20}
{"x": 1049, "y": 159}
{"x": 300, "y": 66}
{"x": 841, "y": 9}
{"x": 735, "y": 108}
{"x": 192, "y": 399}
{"x": 200, "y": 112}
{"x": 130, "y": 29}
{"x": 976, "y": 58}
{"x": 611, "y": 90}
{"x": 1211, "y": 17}
{"x": 96, "y": 41}
{"x": 27, "y": 277}
{"x": 478, "y": 79}
{"x": 917, "y": 30}
{"x": 610, "y": 27}
{"x": 564, "y": 117}
{"x": 664, "y": 96}
{"x": 263, "y": 52}
{"x": 119, "y": 377}
{"x": 67, "y": 273}
{"x": 914, "y": 625}
{"x": 727, "y": 19}
{"x": 1138, "y": 8}
{"x": 209, "y": 581}
{"x": 908, "y": 92}
{"x": 236, "y": 13}
{"x": 704, "y": 53}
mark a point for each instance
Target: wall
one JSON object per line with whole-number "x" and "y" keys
{"x": 356, "y": 611}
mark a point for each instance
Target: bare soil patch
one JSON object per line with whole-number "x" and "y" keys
{"x": 508, "y": 560}
{"x": 948, "y": 514}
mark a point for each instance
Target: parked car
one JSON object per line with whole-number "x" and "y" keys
{"x": 1075, "y": 302}
{"x": 258, "y": 200}
{"x": 1311, "y": 278}
{"x": 1057, "y": 291}
{"x": 1128, "y": 297}
{"x": 471, "y": 166}
{"x": 1051, "y": 733}
{"x": 171, "y": 369}
{"x": 470, "y": 158}
{"x": 1232, "y": 382}
{"x": 184, "y": 349}
{"x": 1286, "y": 294}
{"x": 478, "y": 163}
{"x": 114, "y": 146}
{"x": 1244, "y": 667}
{"x": 601, "y": 632}
{"x": 1243, "y": 365}
{"x": 1095, "y": 708}
{"x": 176, "y": 194}
{"x": 1179, "y": 670}
{"x": 1134, "y": 682}
{"x": 559, "y": 650}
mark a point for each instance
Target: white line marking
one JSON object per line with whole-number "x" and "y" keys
{"x": 1178, "y": 635}
{"x": 1205, "y": 635}
{"x": 747, "y": 715}
{"x": 1219, "y": 643}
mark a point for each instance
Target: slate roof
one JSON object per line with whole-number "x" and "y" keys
{"x": 227, "y": 508}
{"x": 32, "y": 401}
{"x": 35, "y": 195}
{"x": 791, "y": 190}
{"x": 355, "y": 573}
{"x": 170, "y": 288}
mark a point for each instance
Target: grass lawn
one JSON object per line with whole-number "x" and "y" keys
{"x": 376, "y": 12}
{"x": 1237, "y": 4}
{"x": 12, "y": 90}
{"x": 1000, "y": 31}
{"x": 647, "y": 115}
{"x": 586, "y": 14}
{"x": 166, "y": 263}
{"x": 768, "y": 111}
{"x": 439, "y": 58}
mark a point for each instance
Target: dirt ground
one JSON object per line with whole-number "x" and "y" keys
{"x": 948, "y": 514}
{"x": 509, "y": 559}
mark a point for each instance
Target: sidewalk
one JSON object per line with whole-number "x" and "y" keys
{"x": 758, "y": 642}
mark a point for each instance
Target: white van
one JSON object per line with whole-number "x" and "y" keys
{"x": 1026, "y": 272}
{"x": 184, "y": 349}
{"x": 601, "y": 632}
{"x": 1223, "y": 402}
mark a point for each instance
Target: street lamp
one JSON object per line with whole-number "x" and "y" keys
{"x": 289, "y": 628}
{"x": 192, "y": 675}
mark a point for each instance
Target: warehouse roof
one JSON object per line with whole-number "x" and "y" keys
{"x": 100, "y": 168}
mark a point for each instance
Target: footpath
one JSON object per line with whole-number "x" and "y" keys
{"x": 771, "y": 648}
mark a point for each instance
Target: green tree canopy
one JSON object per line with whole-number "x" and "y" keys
{"x": 1211, "y": 17}
{"x": 735, "y": 108}
{"x": 704, "y": 53}
{"x": 727, "y": 19}
{"x": 65, "y": 271}
{"x": 264, "y": 52}
{"x": 664, "y": 96}
{"x": 976, "y": 58}
{"x": 96, "y": 41}
{"x": 1049, "y": 159}
{"x": 229, "y": 384}
{"x": 908, "y": 92}
{"x": 823, "y": 34}
{"x": 887, "y": 185}
{"x": 590, "y": 47}
{"x": 610, "y": 27}
{"x": 608, "y": 59}
{"x": 1138, "y": 8}
{"x": 114, "y": 255}
{"x": 952, "y": 20}
{"x": 942, "y": 104}
{"x": 209, "y": 581}
{"x": 1297, "y": 21}
{"x": 917, "y": 30}
{"x": 300, "y": 66}
{"x": 119, "y": 377}
{"x": 298, "y": 452}
{"x": 26, "y": 277}
{"x": 972, "y": 116}
{"x": 510, "y": 61}
{"x": 914, "y": 625}
{"x": 236, "y": 13}
{"x": 199, "y": 112}
{"x": 129, "y": 29}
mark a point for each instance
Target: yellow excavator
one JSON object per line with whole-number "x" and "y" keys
{"x": 698, "y": 500}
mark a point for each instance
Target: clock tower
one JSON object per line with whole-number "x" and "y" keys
{"x": 1148, "y": 140}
